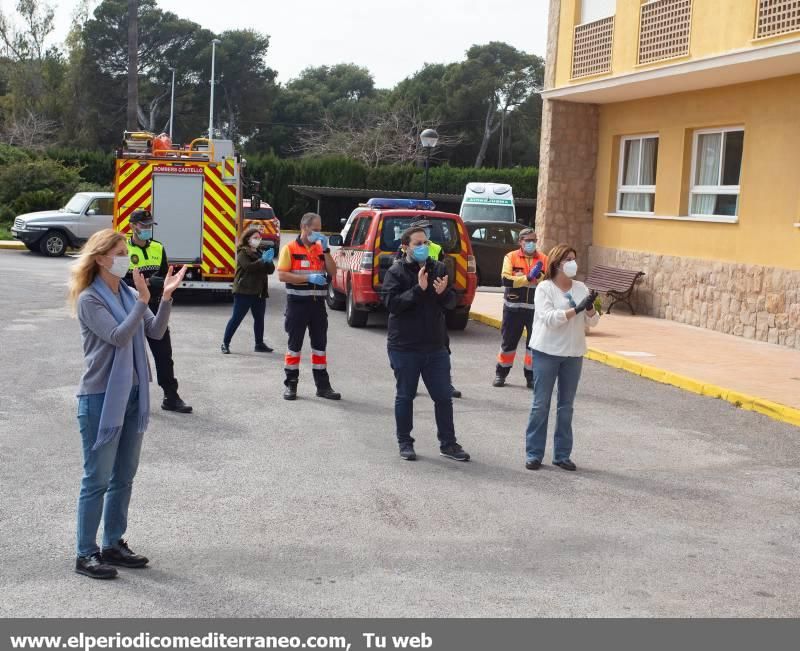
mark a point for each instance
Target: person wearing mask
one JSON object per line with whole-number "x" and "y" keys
{"x": 306, "y": 265}
{"x": 436, "y": 252}
{"x": 522, "y": 271}
{"x": 113, "y": 396}
{"x": 149, "y": 257}
{"x": 564, "y": 307}
{"x": 417, "y": 293}
{"x": 250, "y": 291}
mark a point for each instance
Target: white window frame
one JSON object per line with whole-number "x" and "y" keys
{"x": 715, "y": 189}
{"x": 634, "y": 189}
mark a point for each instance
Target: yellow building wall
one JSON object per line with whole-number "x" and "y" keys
{"x": 769, "y": 202}
{"x": 718, "y": 26}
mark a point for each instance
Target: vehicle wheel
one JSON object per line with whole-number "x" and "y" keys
{"x": 458, "y": 319}
{"x": 53, "y": 244}
{"x": 334, "y": 299}
{"x": 355, "y": 318}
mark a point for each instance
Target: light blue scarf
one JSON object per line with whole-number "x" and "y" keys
{"x": 126, "y": 358}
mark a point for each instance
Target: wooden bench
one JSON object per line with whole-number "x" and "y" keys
{"x": 617, "y": 283}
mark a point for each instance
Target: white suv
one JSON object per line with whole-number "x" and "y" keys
{"x": 51, "y": 231}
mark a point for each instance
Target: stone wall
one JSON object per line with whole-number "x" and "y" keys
{"x": 750, "y": 301}
{"x": 567, "y": 165}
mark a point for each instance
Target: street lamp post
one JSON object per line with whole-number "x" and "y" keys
{"x": 172, "y": 104}
{"x": 214, "y": 44}
{"x": 429, "y": 139}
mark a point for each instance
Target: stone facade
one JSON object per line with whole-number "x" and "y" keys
{"x": 567, "y": 166}
{"x": 749, "y": 301}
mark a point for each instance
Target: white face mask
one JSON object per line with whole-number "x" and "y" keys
{"x": 120, "y": 266}
{"x": 255, "y": 242}
{"x": 570, "y": 268}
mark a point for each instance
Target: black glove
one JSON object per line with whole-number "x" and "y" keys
{"x": 586, "y": 303}
{"x": 156, "y": 282}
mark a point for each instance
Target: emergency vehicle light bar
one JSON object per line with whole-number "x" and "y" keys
{"x": 410, "y": 204}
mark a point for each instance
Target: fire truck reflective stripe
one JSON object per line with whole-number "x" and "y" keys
{"x": 528, "y": 361}
{"x": 221, "y": 238}
{"x": 217, "y": 250}
{"x": 506, "y": 359}
{"x": 134, "y": 184}
{"x": 222, "y": 213}
{"x": 225, "y": 195}
{"x": 306, "y": 292}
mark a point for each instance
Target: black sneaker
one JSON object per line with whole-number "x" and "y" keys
{"x": 290, "y": 392}
{"x": 454, "y": 451}
{"x": 566, "y": 464}
{"x": 94, "y": 567}
{"x": 174, "y": 403}
{"x": 263, "y": 348}
{"x": 407, "y": 452}
{"x": 533, "y": 464}
{"x": 456, "y": 393}
{"x": 499, "y": 381}
{"x": 123, "y": 556}
{"x": 226, "y": 350}
{"x": 329, "y": 394}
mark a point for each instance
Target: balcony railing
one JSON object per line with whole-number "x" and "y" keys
{"x": 664, "y": 28}
{"x": 591, "y": 48}
{"x": 777, "y": 17}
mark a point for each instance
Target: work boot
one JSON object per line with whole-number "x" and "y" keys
{"x": 328, "y": 393}
{"x": 261, "y": 347}
{"x": 94, "y": 567}
{"x": 529, "y": 382}
{"x": 173, "y": 402}
{"x": 290, "y": 392}
{"x": 123, "y": 556}
{"x": 499, "y": 381}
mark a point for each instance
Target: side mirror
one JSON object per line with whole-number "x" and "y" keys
{"x": 335, "y": 240}
{"x": 91, "y": 212}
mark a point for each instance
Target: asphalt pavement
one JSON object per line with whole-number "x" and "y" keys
{"x": 252, "y": 506}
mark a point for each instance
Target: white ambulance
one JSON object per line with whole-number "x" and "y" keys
{"x": 488, "y": 202}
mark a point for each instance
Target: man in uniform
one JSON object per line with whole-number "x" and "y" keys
{"x": 522, "y": 270}
{"x": 306, "y": 265}
{"x": 149, "y": 257}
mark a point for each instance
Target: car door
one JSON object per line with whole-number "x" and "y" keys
{"x": 97, "y": 216}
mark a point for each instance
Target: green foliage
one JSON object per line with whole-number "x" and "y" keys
{"x": 96, "y": 167}
{"x": 37, "y": 200}
{"x": 10, "y": 154}
{"x": 28, "y": 177}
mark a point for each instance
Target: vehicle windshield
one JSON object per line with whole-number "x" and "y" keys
{"x": 76, "y": 204}
{"x": 474, "y": 212}
{"x": 443, "y": 231}
{"x": 261, "y": 213}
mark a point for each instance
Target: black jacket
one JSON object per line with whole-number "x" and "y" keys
{"x": 251, "y": 273}
{"x": 416, "y": 317}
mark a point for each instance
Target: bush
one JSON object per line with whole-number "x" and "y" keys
{"x": 36, "y": 200}
{"x": 29, "y": 177}
{"x": 95, "y": 167}
{"x": 10, "y": 154}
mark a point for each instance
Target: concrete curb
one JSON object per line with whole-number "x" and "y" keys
{"x": 11, "y": 245}
{"x": 774, "y": 410}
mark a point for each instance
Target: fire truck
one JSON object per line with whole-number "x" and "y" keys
{"x": 195, "y": 193}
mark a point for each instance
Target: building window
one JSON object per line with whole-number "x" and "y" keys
{"x": 638, "y": 160}
{"x": 592, "y": 10}
{"x": 777, "y": 17}
{"x": 716, "y": 170}
{"x": 593, "y": 39}
{"x": 664, "y": 30}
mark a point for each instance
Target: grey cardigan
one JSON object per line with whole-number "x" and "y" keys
{"x": 102, "y": 335}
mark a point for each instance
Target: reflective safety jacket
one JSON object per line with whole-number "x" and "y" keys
{"x": 519, "y": 291}
{"x": 299, "y": 259}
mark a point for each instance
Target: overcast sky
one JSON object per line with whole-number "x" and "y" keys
{"x": 392, "y": 39}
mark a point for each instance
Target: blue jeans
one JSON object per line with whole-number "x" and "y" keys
{"x": 242, "y": 303}
{"x": 108, "y": 473}
{"x": 434, "y": 368}
{"x": 546, "y": 370}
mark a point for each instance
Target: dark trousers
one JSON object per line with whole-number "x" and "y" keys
{"x": 242, "y": 303}
{"x": 311, "y": 316}
{"x": 165, "y": 368}
{"x": 434, "y": 369}
{"x": 514, "y": 321}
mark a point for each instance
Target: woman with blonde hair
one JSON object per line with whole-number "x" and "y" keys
{"x": 563, "y": 309}
{"x": 113, "y": 396}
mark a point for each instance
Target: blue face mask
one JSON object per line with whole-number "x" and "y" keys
{"x": 314, "y": 236}
{"x": 146, "y": 234}
{"x": 420, "y": 253}
{"x": 529, "y": 247}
